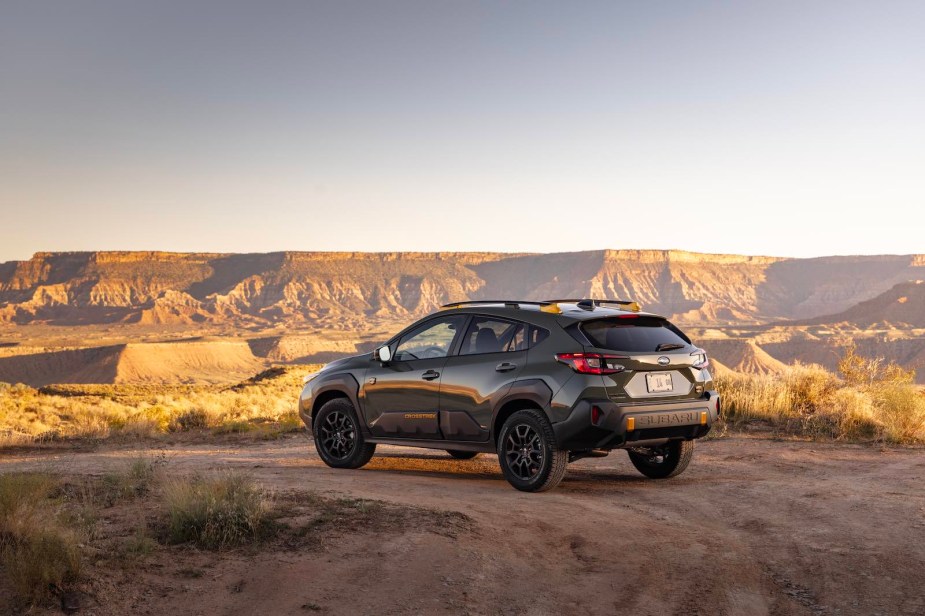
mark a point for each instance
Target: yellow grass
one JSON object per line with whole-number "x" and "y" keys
{"x": 878, "y": 403}
{"x": 28, "y": 415}
{"x": 39, "y": 552}
{"x": 873, "y": 400}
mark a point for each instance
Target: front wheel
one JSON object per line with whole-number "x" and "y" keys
{"x": 338, "y": 438}
{"x": 462, "y": 455}
{"x": 529, "y": 455}
{"x": 664, "y": 461}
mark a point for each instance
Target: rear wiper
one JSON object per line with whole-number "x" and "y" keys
{"x": 669, "y": 346}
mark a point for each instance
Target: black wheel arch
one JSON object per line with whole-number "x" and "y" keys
{"x": 525, "y": 394}
{"x": 342, "y": 385}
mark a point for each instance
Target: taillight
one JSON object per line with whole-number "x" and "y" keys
{"x": 591, "y": 363}
{"x": 596, "y": 414}
{"x": 700, "y": 359}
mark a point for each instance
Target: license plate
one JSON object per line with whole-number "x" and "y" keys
{"x": 658, "y": 382}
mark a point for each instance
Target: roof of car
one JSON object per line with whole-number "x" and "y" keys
{"x": 579, "y": 310}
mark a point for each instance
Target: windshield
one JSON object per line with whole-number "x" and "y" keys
{"x": 635, "y": 334}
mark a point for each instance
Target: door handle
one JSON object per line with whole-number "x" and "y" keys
{"x": 505, "y": 366}
{"x": 430, "y": 375}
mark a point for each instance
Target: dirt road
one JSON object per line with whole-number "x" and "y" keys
{"x": 753, "y": 527}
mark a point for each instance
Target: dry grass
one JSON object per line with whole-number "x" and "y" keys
{"x": 137, "y": 479}
{"x": 48, "y": 525}
{"x": 51, "y": 544}
{"x": 39, "y": 550}
{"x": 874, "y": 400}
{"x": 215, "y": 513}
{"x": 266, "y": 402}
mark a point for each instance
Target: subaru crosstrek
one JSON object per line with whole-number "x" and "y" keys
{"x": 541, "y": 384}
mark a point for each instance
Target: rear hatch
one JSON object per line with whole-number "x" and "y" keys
{"x": 645, "y": 358}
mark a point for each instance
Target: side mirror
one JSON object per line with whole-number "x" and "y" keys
{"x": 383, "y": 354}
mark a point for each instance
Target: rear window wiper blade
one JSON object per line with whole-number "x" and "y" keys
{"x": 669, "y": 346}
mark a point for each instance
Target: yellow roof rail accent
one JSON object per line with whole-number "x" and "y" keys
{"x": 591, "y": 304}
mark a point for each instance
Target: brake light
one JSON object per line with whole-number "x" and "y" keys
{"x": 700, "y": 359}
{"x": 591, "y": 363}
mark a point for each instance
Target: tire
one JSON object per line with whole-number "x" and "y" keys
{"x": 543, "y": 465}
{"x": 338, "y": 438}
{"x": 462, "y": 455}
{"x": 663, "y": 462}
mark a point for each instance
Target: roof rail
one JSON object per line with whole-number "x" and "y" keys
{"x": 511, "y": 303}
{"x": 549, "y": 305}
{"x": 590, "y": 304}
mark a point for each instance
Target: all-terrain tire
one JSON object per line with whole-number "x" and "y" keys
{"x": 462, "y": 455}
{"x": 338, "y": 438}
{"x": 528, "y": 453}
{"x": 677, "y": 455}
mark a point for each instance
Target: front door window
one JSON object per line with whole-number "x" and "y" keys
{"x": 431, "y": 341}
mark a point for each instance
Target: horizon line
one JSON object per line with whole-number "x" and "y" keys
{"x": 40, "y": 253}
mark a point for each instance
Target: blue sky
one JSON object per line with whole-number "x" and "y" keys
{"x": 781, "y": 128}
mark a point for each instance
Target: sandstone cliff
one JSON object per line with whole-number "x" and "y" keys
{"x": 347, "y": 290}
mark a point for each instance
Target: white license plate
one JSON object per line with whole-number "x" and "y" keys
{"x": 658, "y": 382}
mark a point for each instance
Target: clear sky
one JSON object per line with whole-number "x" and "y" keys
{"x": 776, "y": 127}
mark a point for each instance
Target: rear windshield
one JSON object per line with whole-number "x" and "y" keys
{"x": 634, "y": 334}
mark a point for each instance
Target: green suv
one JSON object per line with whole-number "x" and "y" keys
{"x": 541, "y": 384}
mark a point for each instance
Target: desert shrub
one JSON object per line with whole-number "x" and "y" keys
{"x": 811, "y": 388}
{"x": 234, "y": 426}
{"x": 875, "y": 400}
{"x": 138, "y": 546}
{"x": 863, "y": 371}
{"x": 38, "y": 551}
{"x": 136, "y": 479}
{"x": 190, "y": 420}
{"x": 754, "y": 397}
{"x": 215, "y": 513}
{"x": 290, "y": 422}
{"x": 901, "y": 411}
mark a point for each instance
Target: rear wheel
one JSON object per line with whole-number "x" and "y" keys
{"x": 462, "y": 455}
{"x": 530, "y": 458}
{"x": 663, "y": 461}
{"x": 338, "y": 438}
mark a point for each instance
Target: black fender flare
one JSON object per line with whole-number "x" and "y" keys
{"x": 344, "y": 383}
{"x": 533, "y": 390}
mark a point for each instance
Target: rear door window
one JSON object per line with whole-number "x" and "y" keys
{"x": 635, "y": 334}
{"x": 537, "y": 335}
{"x": 487, "y": 335}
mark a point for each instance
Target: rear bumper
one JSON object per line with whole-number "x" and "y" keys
{"x": 632, "y": 425}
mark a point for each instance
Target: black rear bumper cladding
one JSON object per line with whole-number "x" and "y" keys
{"x": 578, "y": 433}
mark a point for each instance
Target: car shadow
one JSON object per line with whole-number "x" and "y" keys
{"x": 434, "y": 465}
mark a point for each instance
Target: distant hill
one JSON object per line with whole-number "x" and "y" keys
{"x": 198, "y": 361}
{"x": 349, "y": 290}
{"x": 902, "y": 306}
